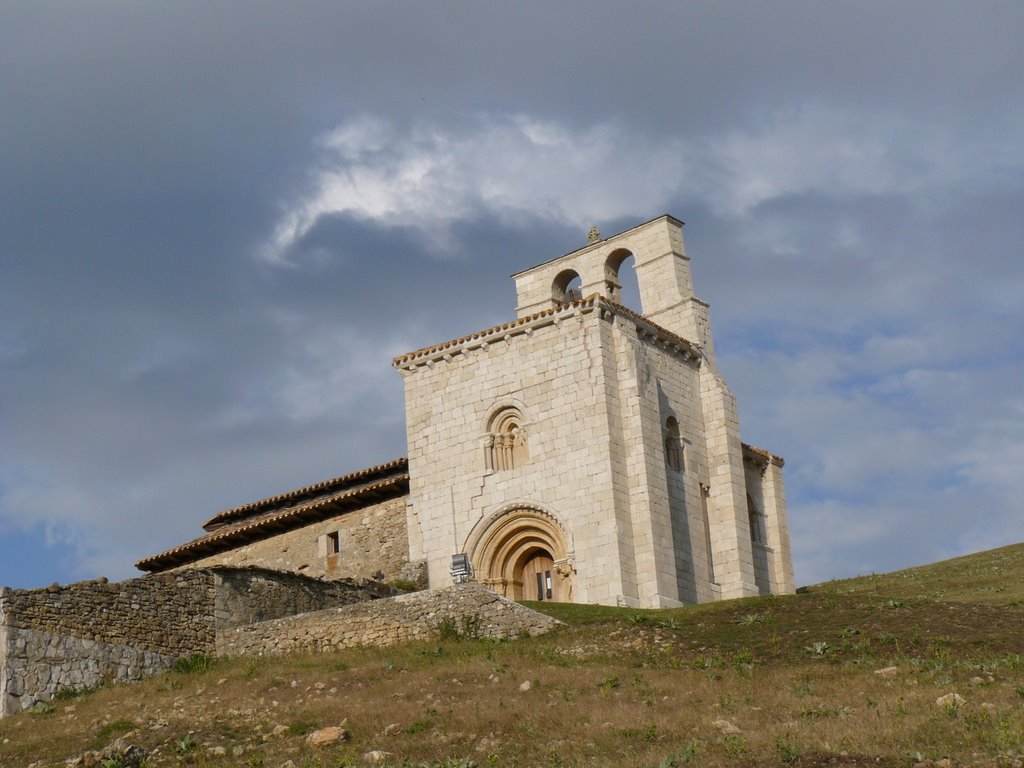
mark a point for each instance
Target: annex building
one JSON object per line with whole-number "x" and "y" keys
{"x": 582, "y": 452}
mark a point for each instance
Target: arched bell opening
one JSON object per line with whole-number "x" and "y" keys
{"x": 621, "y": 285}
{"x": 567, "y": 287}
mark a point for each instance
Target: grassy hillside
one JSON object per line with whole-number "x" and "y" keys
{"x": 847, "y": 673}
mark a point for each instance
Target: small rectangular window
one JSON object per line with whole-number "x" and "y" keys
{"x": 540, "y": 586}
{"x": 333, "y": 543}
{"x": 547, "y": 584}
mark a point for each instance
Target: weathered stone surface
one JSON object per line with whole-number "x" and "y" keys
{"x": 463, "y": 609}
{"x": 951, "y": 700}
{"x": 81, "y": 635}
{"x": 371, "y": 540}
{"x": 327, "y": 736}
{"x": 624, "y": 462}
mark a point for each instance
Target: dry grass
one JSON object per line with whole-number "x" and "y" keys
{"x": 795, "y": 676}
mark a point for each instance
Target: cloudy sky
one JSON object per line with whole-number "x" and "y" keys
{"x": 219, "y": 221}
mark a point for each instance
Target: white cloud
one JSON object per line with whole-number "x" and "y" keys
{"x": 429, "y": 175}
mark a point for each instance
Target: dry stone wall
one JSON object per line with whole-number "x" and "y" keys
{"x": 465, "y": 608}
{"x": 256, "y": 594}
{"x": 80, "y": 635}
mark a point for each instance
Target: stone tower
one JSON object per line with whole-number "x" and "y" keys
{"x": 587, "y": 452}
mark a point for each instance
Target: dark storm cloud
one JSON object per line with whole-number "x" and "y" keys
{"x": 851, "y": 175}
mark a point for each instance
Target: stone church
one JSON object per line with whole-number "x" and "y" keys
{"x": 581, "y": 452}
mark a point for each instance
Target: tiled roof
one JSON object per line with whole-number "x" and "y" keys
{"x": 387, "y": 469}
{"x": 763, "y": 455}
{"x": 269, "y": 522}
{"x": 520, "y": 324}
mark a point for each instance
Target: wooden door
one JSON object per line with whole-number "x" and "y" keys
{"x": 538, "y": 578}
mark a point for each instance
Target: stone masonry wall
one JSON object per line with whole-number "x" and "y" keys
{"x": 80, "y": 635}
{"x": 255, "y": 594}
{"x": 84, "y": 634}
{"x": 165, "y": 613}
{"x": 466, "y": 608}
{"x": 372, "y": 540}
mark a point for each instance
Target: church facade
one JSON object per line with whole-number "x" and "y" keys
{"x": 581, "y": 452}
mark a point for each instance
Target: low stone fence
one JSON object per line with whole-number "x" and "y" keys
{"x": 465, "y": 609}
{"x": 250, "y": 595}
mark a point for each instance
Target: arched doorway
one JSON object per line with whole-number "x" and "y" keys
{"x": 521, "y": 553}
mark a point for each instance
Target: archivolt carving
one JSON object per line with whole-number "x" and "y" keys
{"x": 499, "y": 546}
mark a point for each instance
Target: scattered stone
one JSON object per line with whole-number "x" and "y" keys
{"x": 977, "y": 681}
{"x": 887, "y": 671}
{"x": 724, "y": 727}
{"x": 525, "y": 686}
{"x": 988, "y": 707}
{"x": 222, "y": 681}
{"x": 237, "y": 751}
{"x": 376, "y": 756}
{"x": 327, "y": 736}
{"x": 288, "y": 764}
{"x": 951, "y": 700}
{"x": 392, "y": 729}
{"x": 320, "y": 686}
{"x": 217, "y": 751}
{"x": 279, "y": 730}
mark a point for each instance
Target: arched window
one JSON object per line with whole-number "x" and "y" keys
{"x": 756, "y": 520}
{"x": 673, "y": 445}
{"x": 505, "y": 441}
{"x": 567, "y": 287}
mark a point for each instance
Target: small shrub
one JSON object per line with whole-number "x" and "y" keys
{"x": 196, "y": 664}
{"x": 42, "y": 708}
{"x": 684, "y": 757}
{"x": 118, "y": 726}
{"x": 447, "y": 629}
{"x": 735, "y": 745}
{"x": 819, "y": 648}
{"x": 607, "y": 685}
{"x": 749, "y": 619}
{"x": 418, "y": 726}
{"x": 406, "y": 585}
{"x": 185, "y": 746}
{"x": 74, "y": 694}
{"x": 300, "y": 727}
{"x": 786, "y": 748}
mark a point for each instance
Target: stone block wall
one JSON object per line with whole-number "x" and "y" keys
{"x": 372, "y": 540}
{"x": 415, "y": 616}
{"x": 247, "y": 596}
{"x": 81, "y": 635}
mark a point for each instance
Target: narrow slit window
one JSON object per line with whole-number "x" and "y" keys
{"x": 333, "y": 543}
{"x": 540, "y": 586}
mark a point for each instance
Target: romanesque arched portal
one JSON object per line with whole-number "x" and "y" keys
{"x": 523, "y": 553}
